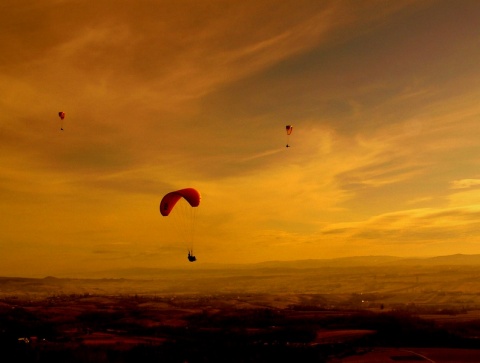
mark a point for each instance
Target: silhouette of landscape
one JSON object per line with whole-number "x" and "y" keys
{"x": 363, "y": 309}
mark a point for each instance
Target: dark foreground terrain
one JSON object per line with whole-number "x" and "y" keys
{"x": 250, "y": 328}
{"x": 375, "y": 313}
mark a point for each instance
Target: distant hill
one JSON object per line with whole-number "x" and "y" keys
{"x": 275, "y": 267}
{"x": 335, "y": 262}
{"x": 448, "y": 260}
{"x": 285, "y": 266}
{"x": 361, "y": 261}
{"x": 431, "y": 280}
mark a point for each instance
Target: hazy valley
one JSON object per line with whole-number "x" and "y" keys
{"x": 317, "y": 310}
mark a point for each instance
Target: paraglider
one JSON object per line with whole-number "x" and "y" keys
{"x": 289, "y": 129}
{"x": 61, "y": 114}
{"x": 183, "y": 217}
{"x": 191, "y": 195}
{"x": 191, "y": 257}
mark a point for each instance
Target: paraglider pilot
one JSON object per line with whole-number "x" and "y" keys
{"x": 191, "y": 257}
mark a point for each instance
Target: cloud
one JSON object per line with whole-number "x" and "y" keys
{"x": 465, "y": 183}
{"x": 164, "y": 95}
{"x": 417, "y": 229}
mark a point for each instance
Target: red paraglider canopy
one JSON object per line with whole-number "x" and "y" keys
{"x": 61, "y": 114}
{"x": 191, "y": 195}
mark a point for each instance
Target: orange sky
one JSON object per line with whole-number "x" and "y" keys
{"x": 162, "y": 95}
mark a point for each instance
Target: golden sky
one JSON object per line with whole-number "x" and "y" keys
{"x": 162, "y": 95}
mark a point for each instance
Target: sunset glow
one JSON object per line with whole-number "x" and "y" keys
{"x": 383, "y": 97}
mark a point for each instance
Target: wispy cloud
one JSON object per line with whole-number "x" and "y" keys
{"x": 465, "y": 183}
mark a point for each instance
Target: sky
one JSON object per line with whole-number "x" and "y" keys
{"x": 384, "y": 156}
